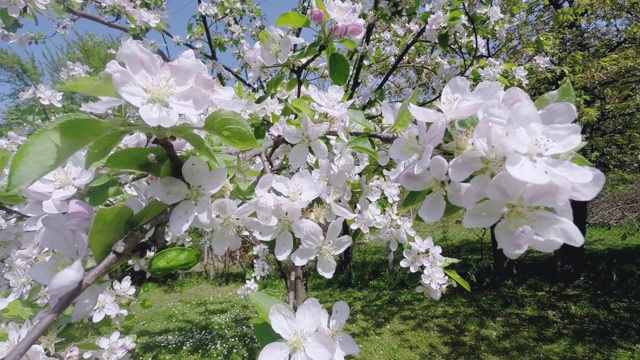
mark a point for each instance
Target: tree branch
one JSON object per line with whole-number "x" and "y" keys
{"x": 400, "y": 57}
{"x": 212, "y": 48}
{"x": 367, "y": 39}
{"x": 225, "y": 67}
{"x": 388, "y": 138}
{"x": 99, "y": 20}
{"x": 9, "y": 210}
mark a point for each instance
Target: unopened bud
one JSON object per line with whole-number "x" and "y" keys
{"x": 72, "y": 353}
{"x": 317, "y": 16}
{"x": 354, "y": 30}
{"x": 339, "y": 31}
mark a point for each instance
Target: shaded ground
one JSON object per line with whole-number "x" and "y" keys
{"x": 528, "y": 317}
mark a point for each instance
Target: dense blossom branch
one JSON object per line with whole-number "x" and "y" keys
{"x": 118, "y": 252}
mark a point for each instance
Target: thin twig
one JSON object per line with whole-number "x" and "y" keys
{"x": 225, "y": 67}
{"x": 11, "y": 211}
{"x": 212, "y": 48}
{"x": 167, "y": 145}
{"x": 99, "y": 20}
{"x": 400, "y": 57}
{"x": 375, "y": 135}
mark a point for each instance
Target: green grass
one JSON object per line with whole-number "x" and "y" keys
{"x": 530, "y": 316}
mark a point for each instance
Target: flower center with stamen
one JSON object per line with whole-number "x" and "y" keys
{"x": 296, "y": 343}
{"x": 160, "y": 90}
{"x": 412, "y": 147}
{"x": 194, "y": 194}
{"x": 447, "y": 103}
{"x": 63, "y": 177}
{"x": 274, "y": 49}
{"x": 326, "y": 250}
{"x": 295, "y": 192}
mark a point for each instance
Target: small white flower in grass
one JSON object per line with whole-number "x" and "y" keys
{"x": 194, "y": 200}
{"x": 345, "y": 345}
{"x": 324, "y": 248}
{"x": 301, "y": 338}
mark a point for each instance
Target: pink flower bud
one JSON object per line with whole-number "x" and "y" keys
{"x": 339, "y": 31}
{"x": 355, "y": 30}
{"x": 317, "y": 16}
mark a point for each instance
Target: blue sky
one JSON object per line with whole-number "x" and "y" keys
{"x": 179, "y": 12}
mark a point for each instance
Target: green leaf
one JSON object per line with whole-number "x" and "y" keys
{"x": 137, "y": 159}
{"x": 177, "y": 258}
{"x": 404, "y": 116}
{"x": 9, "y": 198}
{"x": 443, "y": 40}
{"x": 414, "y": 198}
{"x": 109, "y": 226}
{"x": 357, "y": 116}
{"x": 146, "y": 304}
{"x": 338, "y": 69}
{"x": 5, "y": 155}
{"x": 263, "y": 332}
{"x": 99, "y": 193}
{"x": 580, "y": 160}
{"x": 454, "y": 275}
{"x": 349, "y": 44}
{"x": 293, "y": 19}
{"x": 153, "y": 209}
{"x": 263, "y": 302}
{"x": 564, "y": 93}
{"x": 89, "y": 85}
{"x": 364, "y": 144}
{"x": 52, "y": 145}
{"x": 302, "y": 107}
{"x": 11, "y": 24}
{"x": 20, "y": 309}
{"x": 232, "y": 129}
{"x": 262, "y": 36}
{"x": 449, "y": 261}
{"x": 101, "y": 148}
{"x": 198, "y": 143}
{"x": 273, "y": 84}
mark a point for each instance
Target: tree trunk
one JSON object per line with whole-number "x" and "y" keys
{"x": 346, "y": 258}
{"x": 502, "y": 265}
{"x": 297, "y": 293}
{"x": 390, "y": 258}
{"x": 570, "y": 259}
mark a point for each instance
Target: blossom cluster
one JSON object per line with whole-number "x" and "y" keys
{"x": 300, "y": 166}
{"x": 310, "y": 333}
